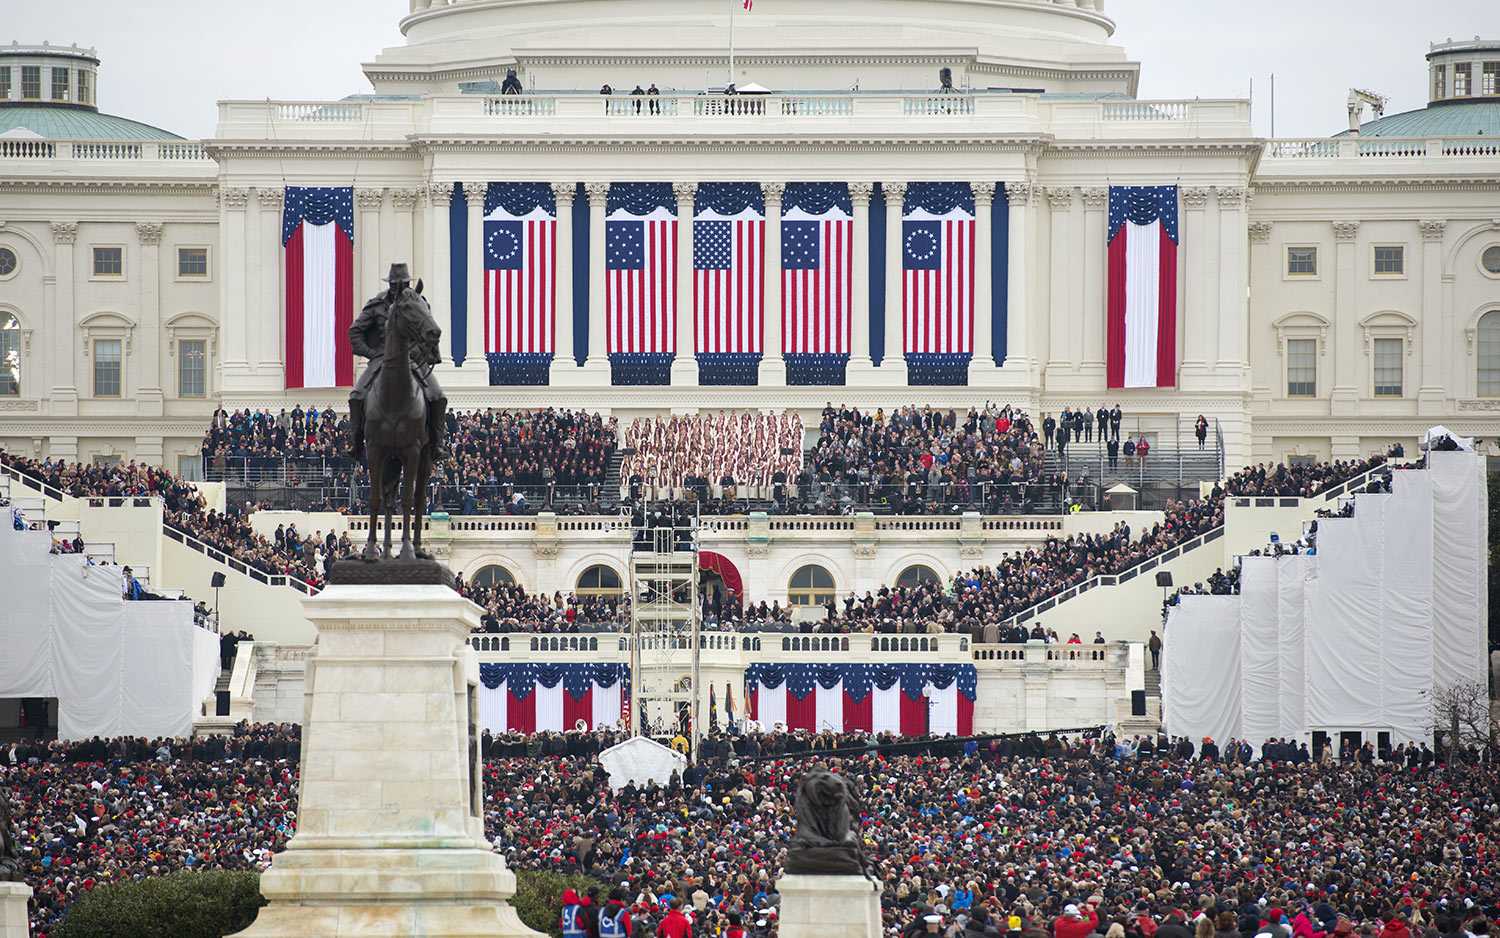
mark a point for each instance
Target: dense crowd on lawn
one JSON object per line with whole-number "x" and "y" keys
{"x": 1005, "y": 832}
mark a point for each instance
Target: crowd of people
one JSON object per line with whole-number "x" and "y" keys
{"x": 1297, "y": 480}
{"x": 1037, "y": 837}
{"x": 711, "y": 455}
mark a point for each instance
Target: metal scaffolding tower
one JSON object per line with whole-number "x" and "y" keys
{"x": 665, "y": 627}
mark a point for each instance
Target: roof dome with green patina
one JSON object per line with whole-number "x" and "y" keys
{"x": 52, "y": 92}
{"x": 1459, "y": 119}
{"x": 76, "y": 123}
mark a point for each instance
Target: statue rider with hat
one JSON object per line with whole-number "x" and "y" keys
{"x": 367, "y": 338}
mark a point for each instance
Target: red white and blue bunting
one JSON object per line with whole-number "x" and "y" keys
{"x": 317, "y": 233}
{"x": 910, "y": 699}
{"x": 533, "y": 698}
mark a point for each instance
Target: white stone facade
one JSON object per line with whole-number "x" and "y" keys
{"x": 1042, "y": 105}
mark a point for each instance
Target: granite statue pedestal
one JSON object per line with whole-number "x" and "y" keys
{"x": 13, "y": 898}
{"x": 815, "y": 906}
{"x": 390, "y": 833}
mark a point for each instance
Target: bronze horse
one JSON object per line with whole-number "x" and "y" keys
{"x": 397, "y": 447}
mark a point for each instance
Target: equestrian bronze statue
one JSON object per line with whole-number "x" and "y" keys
{"x": 397, "y": 409}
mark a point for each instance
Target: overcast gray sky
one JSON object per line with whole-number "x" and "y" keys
{"x": 166, "y": 62}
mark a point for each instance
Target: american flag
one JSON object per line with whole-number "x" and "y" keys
{"x": 729, "y": 263}
{"x": 937, "y": 260}
{"x": 520, "y": 269}
{"x": 817, "y": 262}
{"x": 641, "y": 281}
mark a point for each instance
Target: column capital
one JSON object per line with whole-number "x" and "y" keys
{"x": 597, "y": 192}
{"x": 369, "y": 200}
{"x": 860, "y": 192}
{"x": 1095, "y": 197}
{"x": 984, "y": 192}
{"x": 1345, "y": 230}
{"x": 1019, "y": 192}
{"x": 1194, "y": 196}
{"x": 895, "y": 192}
{"x": 65, "y": 232}
{"x": 684, "y": 191}
{"x": 1432, "y": 230}
{"x": 438, "y": 192}
{"x": 405, "y": 199}
{"x": 1230, "y": 196}
{"x": 1060, "y": 198}
{"x": 1260, "y": 232}
{"x": 269, "y": 198}
{"x": 564, "y": 192}
{"x": 234, "y": 198}
{"x": 773, "y": 191}
{"x": 148, "y": 232}
{"x": 475, "y": 192}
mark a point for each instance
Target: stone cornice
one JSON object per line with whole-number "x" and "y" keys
{"x": 487, "y": 143}
{"x": 76, "y": 186}
{"x": 1372, "y": 184}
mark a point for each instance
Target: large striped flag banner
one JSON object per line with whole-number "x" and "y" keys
{"x": 317, "y": 234}
{"x": 1141, "y": 333}
{"x": 535, "y": 698}
{"x": 937, "y": 281}
{"x": 640, "y": 262}
{"x": 817, "y": 278}
{"x": 910, "y": 699}
{"x": 520, "y": 280}
{"x": 729, "y": 271}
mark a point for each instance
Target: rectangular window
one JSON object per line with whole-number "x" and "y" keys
{"x": 107, "y": 367}
{"x": 192, "y": 368}
{"x": 1302, "y": 262}
{"x": 31, "y": 82}
{"x": 85, "y": 86}
{"x": 1301, "y": 367}
{"x": 190, "y": 468}
{"x": 109, "y": 262}
{"x": 1461, "y": 80}
{"x": 106, "y": 461}
{"x": 192, "y": 262}
{"x": 1302, "y": 460}
{"x": 1490, "y": 79}
{"x": 1390, "y": 259}
{"x": 4, "y": 82}
{"x": 1388, "y": 367}
{"x": 59, "y": 84}
{"x": 1439, "y": 78}
{"x": 10, "y": 357}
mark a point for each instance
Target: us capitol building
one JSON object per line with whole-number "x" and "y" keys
{"x": 1328, "y": 297}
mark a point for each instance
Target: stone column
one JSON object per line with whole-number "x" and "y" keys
{"x": 982, "y": 368}
{"x": 367, "y": 272}
{"x": 1430, "y": 393}
{"x": 390, "y": 824}
{"x": 270, "y": 365}
{"x": 1233, "y": 286}
{"x": 772, "y": 365}
{"x": 233, "y": 290}
{"x": 436, "y": 269}
{"x": 13, "y": 899}
{"x": 861, "y": 370}
{"x": 64, "y": 347}
{"x": 1061, "y": 339}
{"x": 148, "y": 395}
{"x": 1019, "y": 354}
{"x": 685, "y": 365}
{"x": 596, "y": 366}
{"x": 824, "y": 906}
{"x": 893, "y": 364}
{"x": 1348, "y": 373}
{"x": 1095, "y": 267}
{"x": 404, "y": 201}
{"x": 564, "y": 365}
{"x": 1200, "y": 324}
{"x": 476, "y": 367}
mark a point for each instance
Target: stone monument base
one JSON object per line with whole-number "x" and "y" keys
{"x": 13, "y": 898}
{"x": 828, "y": 907}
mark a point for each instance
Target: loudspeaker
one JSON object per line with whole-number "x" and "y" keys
{"x": 221, "y": 703}
{"x": 216, "y": 581}
{"x": 1137, "y": 703}
{"x": 1163, "y": 578}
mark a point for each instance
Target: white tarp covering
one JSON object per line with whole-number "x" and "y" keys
{"x": 1344, "y": 620}
{"x": 1406, "y": 604}
{"x": 641, "y": 760}
{"x": 116, "y": 668}
{"x": 1260, "y": 650}
{"x": 1460, "y": 601}
{"x": 1292, "y": 573}
{"x": 1200, "y": 668}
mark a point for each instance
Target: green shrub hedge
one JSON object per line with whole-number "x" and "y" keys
{"x": 538, "y": 898}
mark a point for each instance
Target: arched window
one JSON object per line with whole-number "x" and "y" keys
{"x": 1489, "y": 354}
{"x": 598, "y": 580}
{"x": 492, "y": 575}
{"x": 916, "y": 575}
{"x": 810, "y": 586}
{"x": 10, "y": 356}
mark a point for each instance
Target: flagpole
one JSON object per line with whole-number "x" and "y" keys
{"x": 731, "y": 44}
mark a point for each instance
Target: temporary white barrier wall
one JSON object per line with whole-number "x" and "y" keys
{"x": 1343, "y": 621}
{"x": 1292, "y": 573}
{"x": 1460, "y": 601}
{"x": 1260, "y": 649}
{"x": 1200, "y": 668}
{"x": 116, "y": 668}
{"x": 1406, "y": 633}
